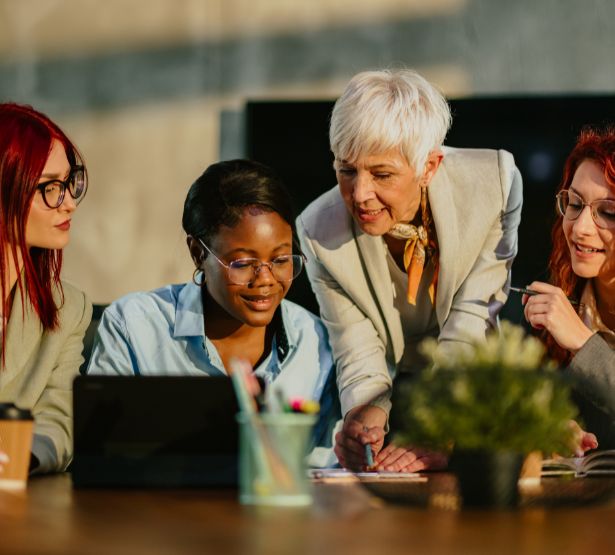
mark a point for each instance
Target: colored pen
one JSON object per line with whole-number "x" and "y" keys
{"x": 525, "y": 291}
{"x": 369, "y": 455}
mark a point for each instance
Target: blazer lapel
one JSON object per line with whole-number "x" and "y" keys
{"x": 23, "y": 334}
{"x": 374, "y": 260}
{"x": 448, "y": 233}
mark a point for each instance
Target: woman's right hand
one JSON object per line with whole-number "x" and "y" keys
{"x": 363, "y": 425}
{"x": 550, "y": 309}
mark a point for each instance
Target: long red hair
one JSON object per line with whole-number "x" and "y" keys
{"x": 26, "y": 138}
{"x": 598, "y": 145}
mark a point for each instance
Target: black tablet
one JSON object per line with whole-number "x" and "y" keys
{"x": 160, "y": 431}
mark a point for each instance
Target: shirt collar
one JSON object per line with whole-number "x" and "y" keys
{"x": 282, "y": 342}
{"x": 189, "y": 312}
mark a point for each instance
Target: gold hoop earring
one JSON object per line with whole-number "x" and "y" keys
{"x": 194, "y": 277}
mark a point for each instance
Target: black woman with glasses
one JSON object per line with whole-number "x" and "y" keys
{"x": 240, "y": 234}
{"x": 580, "y": 335}
{"x": 43, "y": 319}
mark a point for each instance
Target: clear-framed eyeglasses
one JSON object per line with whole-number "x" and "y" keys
{"x": 53, "y": 191}
{"x": 570, "y": 205}
{"x": 243, "y": 271}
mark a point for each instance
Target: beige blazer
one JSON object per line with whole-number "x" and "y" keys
{"x": 39, "y": 372}
{"x": 476, "y": 198}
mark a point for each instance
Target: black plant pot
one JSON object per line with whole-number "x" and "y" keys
{"x": 487, "y": 478}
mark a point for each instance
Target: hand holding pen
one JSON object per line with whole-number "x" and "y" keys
{"x": 547, "y": 307}
{"x": 530, "y": 292}
{"x": 369, "y": 455}
{"x": 363, "y": 429}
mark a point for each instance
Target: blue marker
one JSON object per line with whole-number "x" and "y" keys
{"x": 369, "y": 456}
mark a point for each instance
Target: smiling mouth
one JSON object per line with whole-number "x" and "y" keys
{"x": 369, "y": 215}
{"x": 586, "y": 250}
{"x": 259, "y": 301}
{"x": 370, "y": 212}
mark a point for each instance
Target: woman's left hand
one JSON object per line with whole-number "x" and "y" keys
{"x": 551, "y": 310}
{"x": 409, "y": 459}
{"x": 583, "y": 441}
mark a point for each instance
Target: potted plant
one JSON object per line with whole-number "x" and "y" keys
{"x": 489, "y": 406}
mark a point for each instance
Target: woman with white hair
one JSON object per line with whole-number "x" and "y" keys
{"x": 416, "y": 240}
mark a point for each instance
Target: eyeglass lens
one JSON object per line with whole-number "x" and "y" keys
{"x": 571, "y": 205}
{"x": 54, "y": 191}
{"x": 283, "y": 268}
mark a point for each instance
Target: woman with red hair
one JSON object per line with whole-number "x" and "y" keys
{"x": 580, "y": 335}
{"x": 42, "y": 319}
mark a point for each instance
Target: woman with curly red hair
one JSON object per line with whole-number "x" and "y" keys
{"x": 581, "y": 336}
{"x": 42, "y": 319}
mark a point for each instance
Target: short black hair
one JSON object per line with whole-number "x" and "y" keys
{"x": 225, "y": 189}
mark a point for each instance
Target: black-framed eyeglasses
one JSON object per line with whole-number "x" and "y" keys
{"x": 243, "y": 271}
{"x": 570, "y": 205}
{"x": 53, "y": 191}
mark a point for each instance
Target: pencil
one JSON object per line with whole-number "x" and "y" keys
{"x": 526, "y": 291}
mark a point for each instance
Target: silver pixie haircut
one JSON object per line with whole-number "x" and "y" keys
{"x": 382, "y": 110}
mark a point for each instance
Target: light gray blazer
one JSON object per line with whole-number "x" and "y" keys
{"x": 593, "y": 370}
{"x": 39, "y": 371}
{"x": 476, "y": 198}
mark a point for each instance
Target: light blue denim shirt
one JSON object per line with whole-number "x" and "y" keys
{"x": 162, "y": 332}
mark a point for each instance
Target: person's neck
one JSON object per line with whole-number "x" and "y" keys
{"x": 396, "y": 247}
{"x": 605, "y": 301}
{"x": 233, "y": 338}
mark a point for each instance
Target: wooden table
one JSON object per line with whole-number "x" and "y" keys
{"x": 51, "y": 517}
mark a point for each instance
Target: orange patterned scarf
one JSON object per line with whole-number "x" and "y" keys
{"x": 414, "y": 258}
{"x": 417, "y": 243}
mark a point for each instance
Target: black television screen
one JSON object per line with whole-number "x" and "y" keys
{"x": 292, "y": 137}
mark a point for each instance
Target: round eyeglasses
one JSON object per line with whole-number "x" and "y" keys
{"x": 570, "y": 205}
{"x": 243, "y": 271}
{"x": 53, "y": 191}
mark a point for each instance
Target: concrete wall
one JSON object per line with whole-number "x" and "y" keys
{"x": 150, "y": 89}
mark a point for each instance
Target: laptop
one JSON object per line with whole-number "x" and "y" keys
{"x": 162, "y": 431}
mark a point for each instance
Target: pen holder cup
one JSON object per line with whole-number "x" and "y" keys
{"x": 272, "y": 458}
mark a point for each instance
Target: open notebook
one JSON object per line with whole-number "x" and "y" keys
{"x": 597, "y": 463}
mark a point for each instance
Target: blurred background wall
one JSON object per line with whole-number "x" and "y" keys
{"x": 152, "y": 91}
